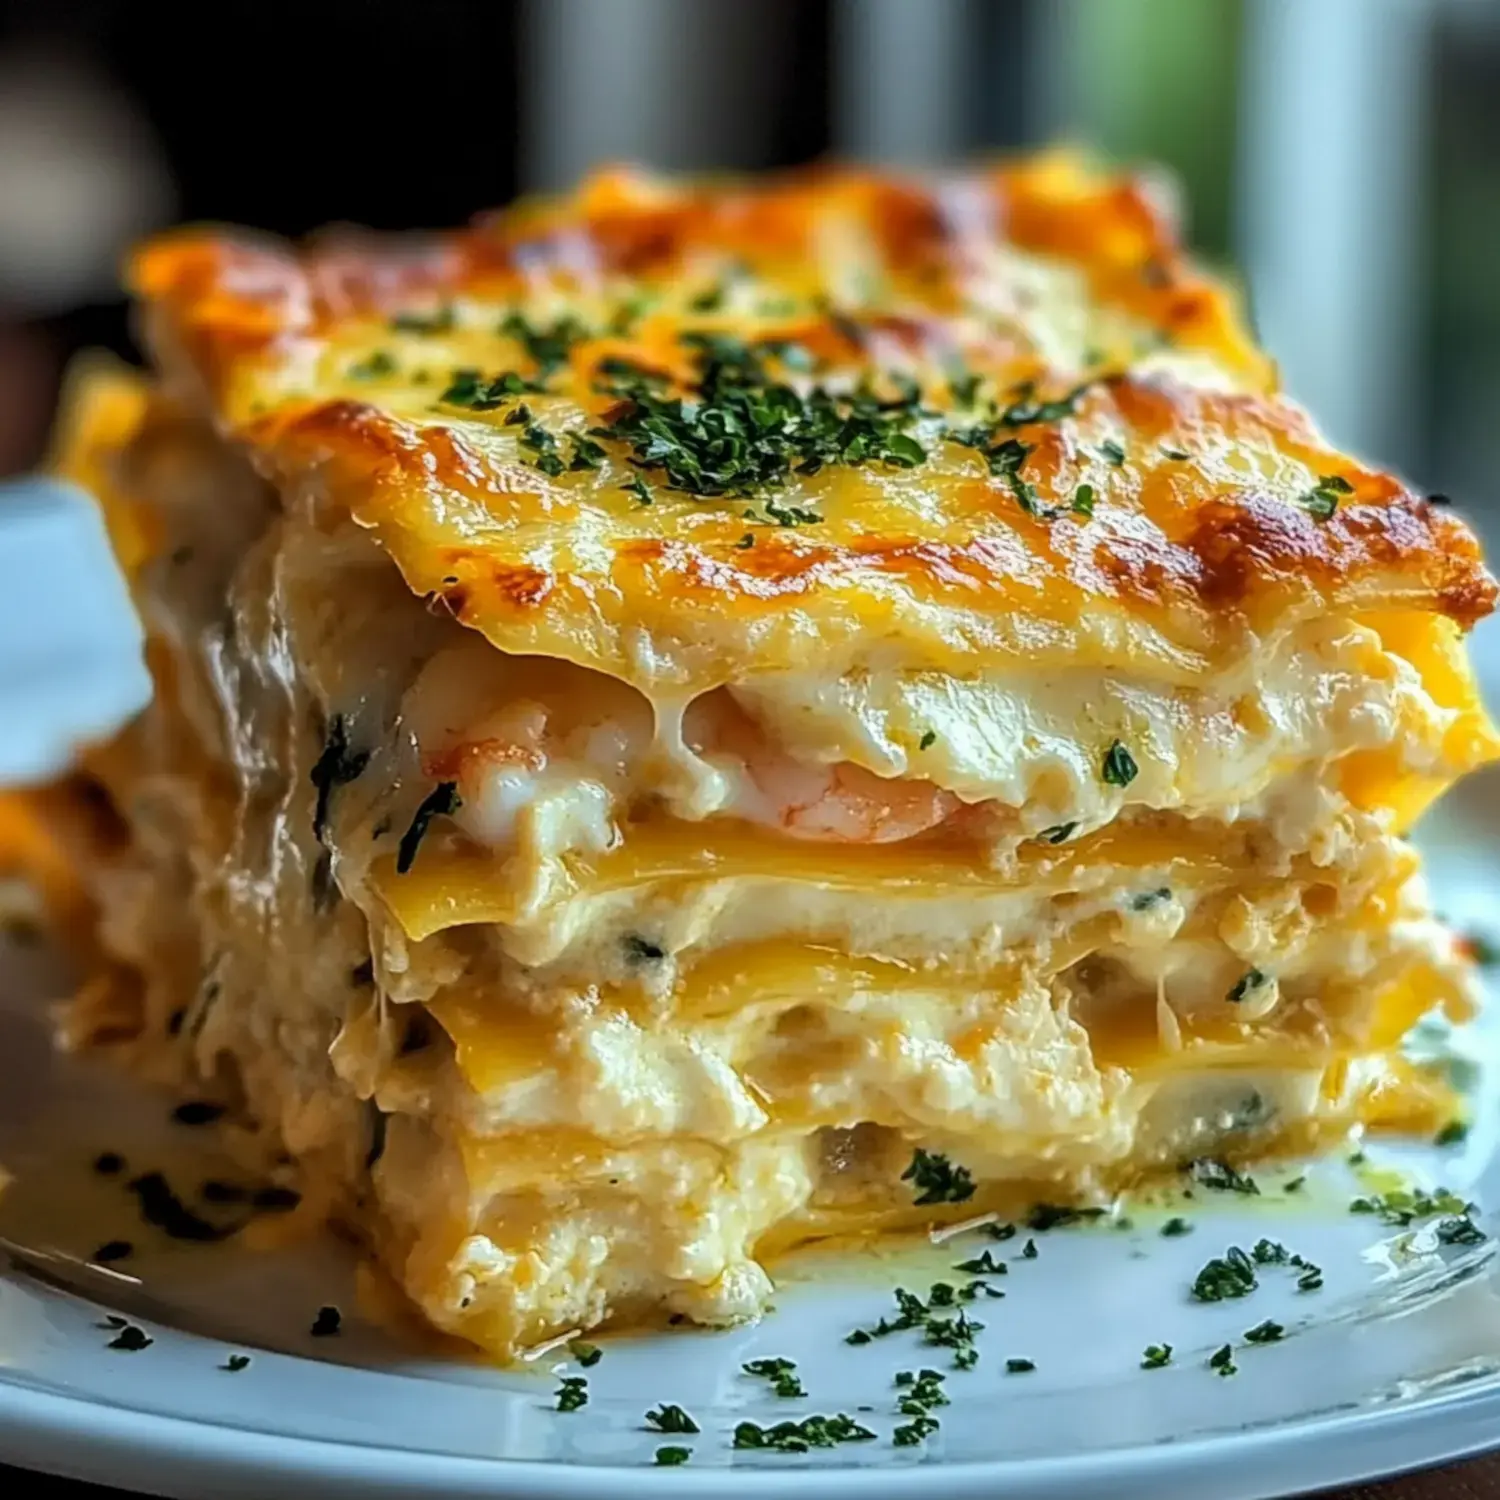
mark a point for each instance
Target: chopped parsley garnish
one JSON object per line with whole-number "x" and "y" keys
{"x": 327, "y": 1323}
{"x": 1000, "y": 1231}
{"x": 1295, "y": 1185}
{"x": 1145, "y": 900}
{"x": 745, "y": 542}
{"x": 941, "y": 1294}
{"x": 235, "y": 1363}
{"x": 928, "y": 740}
{"x": 963, "y": 386}
{"x": 163, "y": 1209}
{"x": 668, "y": 1418}
{"x": 440, "y": 320}
{"x": 1119, "y": 767}
{"x": 912, "y": 1314}
{"x": 1265, "y": 1333}
{"x": 984, "y": 1265}
{"x": 130, "y": 1339}
{"x": 1175, "y": 1226}
{"x": 911, "y": 1433}
{"x": 671, "y": 1457}
{"x": 1176, "y": 455}
{"x": 109, "y": 1163}
{"x": 1156, "y": 1356}
{"x": 442, "y": 801}
{"x": 1059, "y": 833}
{"x": 587, "y": 454}
{"x": 1405, "y": 1206}
{"x": 1452, "y": 1134}
{"x": 1322, "y": 499}
{"x": 742, "y": 432}
{"x": 1311, "y": 1278}
{"x": 112, "y": 1250}
{"x": 1249, "y": 981}
{"x": 547, "y": 346}
{"x": 1460, "y": 1231}
{"x": 920, "y": 1391}
{"x": 1044, "y": 1216}
{"x": 1226, "y": 1277}
{"x": 1028, "y": 410}
{"x": 587, "y": 1355}
{"x": 474, "y": 391}
{"x": 790, "y": 515}
{"x": 782, "y": 1373}
{"x": 335, "y": 767}
{"x": 1006, "y": 460}
{"x": 956, "y": 1333}
{"x": 1029, "y": 1250}
{"x": 1112, "y": 451}
{"x": 1019, "y": 1366}
{"x": 572, "y": 1393}
{"x": 638, "y": 487}
{"x": 1234, "y": 1275}
{"x": 1221, "y": 1361}
{"x": 798, "y": 1437}
{"x": 197, "y": 1112}
{"x": 375, "y": 366}
{"x": 1083, "y": 500}
{"x": 1221, "y": 1177}
{"x": 938, "y": 1179}
{"x": 543, "y": 445}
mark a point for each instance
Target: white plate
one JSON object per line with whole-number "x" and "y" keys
{"x": 70, "y": 646}
{"x": 1395, "y": 1362}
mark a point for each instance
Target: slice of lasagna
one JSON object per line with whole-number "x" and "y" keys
{"x": 692, "y": 718}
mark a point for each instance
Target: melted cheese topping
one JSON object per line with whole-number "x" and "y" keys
{"x": 368, "y": 373}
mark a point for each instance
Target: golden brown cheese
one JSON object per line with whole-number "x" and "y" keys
{"x": 1166, "y": 509}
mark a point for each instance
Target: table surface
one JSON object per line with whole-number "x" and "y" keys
{"x": 1478, "y": 1479}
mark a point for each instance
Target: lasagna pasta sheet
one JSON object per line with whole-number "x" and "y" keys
{"x": 672, "y": 700}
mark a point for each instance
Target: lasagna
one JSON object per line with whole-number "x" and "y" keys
{"x": 695, "y": 717}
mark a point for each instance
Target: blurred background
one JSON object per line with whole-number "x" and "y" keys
{"x": 1344, "y": 153}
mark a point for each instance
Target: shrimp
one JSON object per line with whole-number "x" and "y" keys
{"x": 532, "y": 744}
{"x": 559, "y": 755}
{"x": 839, "y": 802}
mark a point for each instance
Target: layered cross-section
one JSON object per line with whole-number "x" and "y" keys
{"x": 691, "y": 719}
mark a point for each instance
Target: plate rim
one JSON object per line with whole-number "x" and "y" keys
{"x": 116, "y": 1445}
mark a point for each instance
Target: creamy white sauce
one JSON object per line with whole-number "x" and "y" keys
{"x": 553, "y": 758}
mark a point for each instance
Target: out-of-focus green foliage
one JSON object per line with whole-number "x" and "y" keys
{"x": 1159, "y": 80}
